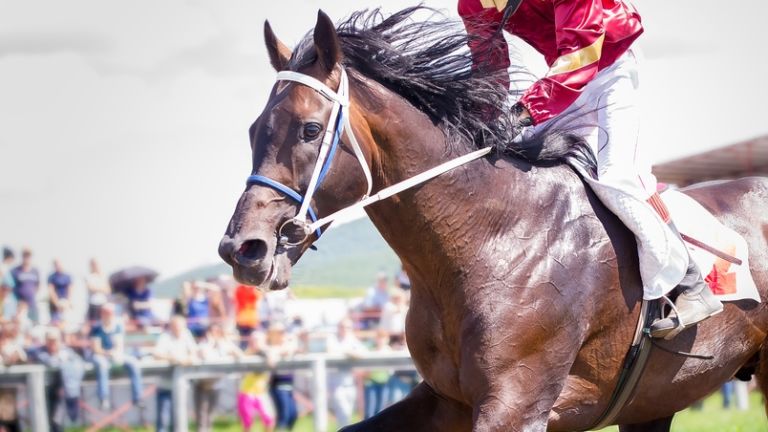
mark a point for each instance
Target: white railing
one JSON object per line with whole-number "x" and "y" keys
{"x": 34, "y": 377}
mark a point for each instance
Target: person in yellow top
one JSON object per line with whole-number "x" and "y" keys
{"x": 253, "y": 396}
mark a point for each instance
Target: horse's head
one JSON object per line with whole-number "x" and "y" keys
{"x": 289, "y": 140}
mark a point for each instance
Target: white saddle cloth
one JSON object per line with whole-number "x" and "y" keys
{"x": 728, "y": 281}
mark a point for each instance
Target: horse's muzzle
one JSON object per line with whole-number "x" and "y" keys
{"x": 251, "y": 259}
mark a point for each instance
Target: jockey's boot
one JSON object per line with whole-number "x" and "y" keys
{"x": 695, "y": 303}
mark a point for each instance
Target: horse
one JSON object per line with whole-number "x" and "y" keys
{"x": 526, "y": 291}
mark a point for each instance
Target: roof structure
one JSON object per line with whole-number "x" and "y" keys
{"x": 742, "y": 159}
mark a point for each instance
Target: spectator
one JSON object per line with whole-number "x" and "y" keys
{"x": 6, "y": 278}
{"x": 98, "y": 291}
{"x": 228, "y": 286}
{"x": 58, "y": 291}
{"x": 65, "y": 383}
{"x": 178, "y": 347}
{"x": 140, "y": 302}
{"x": 108, "y": 346}
{"x": 7, "y": 298}
{"x": 253, "y": 397}
{"x": 280, "y": 345}
{"x": 376, "y": 380}
{"x": 402, "y": 381}
{"x": 179, "y": 306}
{"x": 217, "y": 309}
{"x": 12, "y": 345}
{"x": 378, "y": 295}
{"x": 727, "y": 391}
{"x": 274, "y": 306}
{"x": 402, "y": 280}
{"x": 342, "y": 382}
{"x": 8, "y": 304}
{"x": 34, "y": 343}
{"x": 375, "y": 299}
{"x": 393, "y": 316}
{"x": 21, "y": 318}
{"x": 26, "y": 280}
{"x": 296, "y": 325}
{"x": 198, "y": 308}
{"x": 216, "y": 347}
{"x": 11, "y": 352}
{"x": 246, "y": 311}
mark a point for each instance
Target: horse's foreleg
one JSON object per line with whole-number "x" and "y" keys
{"x": 422, "y": 411}
{"x": 659, "y": 425}
{"x": 515, "y": 372}
{"x": 519, "y": 399}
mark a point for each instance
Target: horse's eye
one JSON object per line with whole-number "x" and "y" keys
{"x": 311, "y": 131}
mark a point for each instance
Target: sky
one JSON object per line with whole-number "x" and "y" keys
{"x": 123, "y": 124}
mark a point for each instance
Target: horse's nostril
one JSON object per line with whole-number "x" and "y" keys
{"x": 253, "y": 250}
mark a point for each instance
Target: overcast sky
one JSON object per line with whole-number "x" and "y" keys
{"x": 123, "y": 125}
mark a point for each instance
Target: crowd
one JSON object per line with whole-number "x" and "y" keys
{"x": 214, "y": 320}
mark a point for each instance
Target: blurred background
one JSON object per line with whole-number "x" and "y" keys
{"x": 123, "y": 149}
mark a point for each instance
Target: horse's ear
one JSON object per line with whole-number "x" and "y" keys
{"x": 327, "y": 42}
{"x": 279, "y": 54}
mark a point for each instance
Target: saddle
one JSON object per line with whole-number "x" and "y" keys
{"x": 721, "y": 255}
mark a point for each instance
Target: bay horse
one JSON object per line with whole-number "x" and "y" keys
{"x": 525, "y": 289}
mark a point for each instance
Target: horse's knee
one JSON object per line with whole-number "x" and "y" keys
{"x": 499, "y": 416}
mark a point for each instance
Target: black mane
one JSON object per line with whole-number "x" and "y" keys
{"x": 429, "y": 64}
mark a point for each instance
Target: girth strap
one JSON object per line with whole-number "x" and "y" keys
{"x": 632, "y": 369}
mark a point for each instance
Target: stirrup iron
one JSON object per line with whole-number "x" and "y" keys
{"x": 680, "y": 324}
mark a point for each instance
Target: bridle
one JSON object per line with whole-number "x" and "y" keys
{"x": 339, "y": 119}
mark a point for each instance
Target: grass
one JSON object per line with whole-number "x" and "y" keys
{"x": 711, "y": 418}
{"x": 228, "y": 424}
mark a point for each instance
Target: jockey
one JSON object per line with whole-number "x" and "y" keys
{"x": 593, "y": 75}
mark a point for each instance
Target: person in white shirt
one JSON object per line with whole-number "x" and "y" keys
{"x": 98, "y": 290}
{"x": 178, "y": 347}
{"x": 108, "y": 346}
{"x": 216, "y": 347}
{"x": 342, "y": 382}
{"x": 393, "y": 316}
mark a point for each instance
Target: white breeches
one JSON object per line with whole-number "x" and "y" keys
{"x": 607, "y": 115}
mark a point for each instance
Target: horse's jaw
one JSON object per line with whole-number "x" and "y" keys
{"x": 275, "y": 277}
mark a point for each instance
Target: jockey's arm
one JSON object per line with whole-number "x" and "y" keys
{"x": 490, "y": 53}
{"x": 579, "y": 39}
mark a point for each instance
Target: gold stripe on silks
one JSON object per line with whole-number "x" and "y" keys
{"x": 498, "y": 4}
{"x": 578, "y": 59}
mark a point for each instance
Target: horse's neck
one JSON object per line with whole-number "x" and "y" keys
{"x": 436, "y": 228}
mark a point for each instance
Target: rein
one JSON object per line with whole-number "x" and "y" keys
{"x": 338, "y": 122}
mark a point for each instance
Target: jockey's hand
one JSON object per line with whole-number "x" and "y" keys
{"x": 521, "y": 117}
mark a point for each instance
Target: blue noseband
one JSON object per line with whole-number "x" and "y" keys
{"x": 256, "y": 179}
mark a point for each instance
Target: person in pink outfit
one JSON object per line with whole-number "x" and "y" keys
{"x": 253, "y": 397}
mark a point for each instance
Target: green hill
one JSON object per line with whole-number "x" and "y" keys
{"x": 348, "y": 258}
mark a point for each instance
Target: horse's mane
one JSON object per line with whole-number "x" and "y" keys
{"x": 428, "y": 63}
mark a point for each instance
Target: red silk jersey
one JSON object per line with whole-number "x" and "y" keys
{"x": 578, "y": 38}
